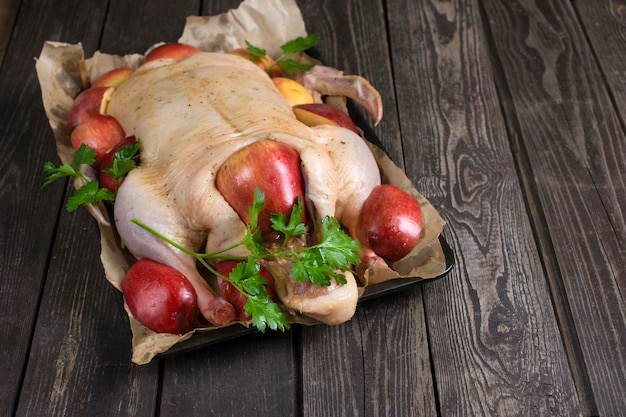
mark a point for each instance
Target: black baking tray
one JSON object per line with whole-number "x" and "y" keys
{"x": 204, "y": 339}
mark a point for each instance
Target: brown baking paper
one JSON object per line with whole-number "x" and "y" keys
{"x": 63, "y": 72}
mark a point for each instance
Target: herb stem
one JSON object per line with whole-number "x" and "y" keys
{"x": 288, "y": 254}
{"x": 200, "y": 256}
{"x": 163, "y": 237}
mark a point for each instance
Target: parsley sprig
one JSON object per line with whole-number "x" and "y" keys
{"x": 319, "y": 263}
{"x": 90, "y": 192}
{"x": 300, "y": 44}
{"x": 123, "y": 161}
{"x": 246, "y": 278}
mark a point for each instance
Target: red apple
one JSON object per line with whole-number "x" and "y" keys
{"x": 233, "y": 296}
{"x": 392, "y": 221}
{"x": 314, "y": 114}
{"x": 175, "y": 51}
{"x": 101, "y": 133}
{"x": 89, "y": 103}
{"x": 106, "y": 180}
{"x": 113, "y": 78}
{"x": 271, "y": 166}
{"x": 262, "y": 62}
{"x": 160, "y": 297}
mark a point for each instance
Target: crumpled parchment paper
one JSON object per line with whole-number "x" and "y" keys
{"x": 63, "y": 72}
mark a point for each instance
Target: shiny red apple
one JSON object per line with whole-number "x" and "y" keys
{"x": 89, "y": 103}
{"x": 392, "y": 221}
{"x": 269, "y": 165}
{"x": 160, "y": 297}
{"x": 175, "y": 51}
{"x": 113, "y": 78}
{"x": 101, "y": 133}
{"x": 313, "y": 114}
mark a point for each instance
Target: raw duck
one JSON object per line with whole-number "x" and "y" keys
{"x": 190, "y": 117}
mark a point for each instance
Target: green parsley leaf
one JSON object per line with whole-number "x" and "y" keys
{"x": 290, "y": 227}
{"x": 123, "y": 161}
{"x": 300, "y": 44}
{"x": 255, "y": 209}
{"x": 255, "y": 51}
{"x": 56, "y": 173}
{"x": 265, "y": 313}
{"x": 253, "y": 240}
{"x": 337, "y": 248}
{"x": 321, "y": 262}
{"x": 293, "y": 66}
{"x": 310, "y": 266}
{"x": 83, "y": 156}
{"x": 88, "y": 194}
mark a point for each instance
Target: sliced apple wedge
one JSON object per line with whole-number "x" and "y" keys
{"x": 293, "y": 91}
{"x": 265, "y": 63}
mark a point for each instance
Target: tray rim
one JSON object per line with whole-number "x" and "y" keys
{"x": 204, "y": 339}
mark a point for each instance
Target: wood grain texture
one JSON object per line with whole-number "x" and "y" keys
{"x": 604, "y": 24}
{"x": 80, "y": 355}
{"x": 253, "y": 376}
{"x": 162, "y": 22}
{"x": 495, "y": 343}
{"x": 29, "y": 214}
{"x": 376, "y": 364}
{"x": 576, "y": 150}
{"x": 384, "y": 347}
{"x": 605, "y": 27}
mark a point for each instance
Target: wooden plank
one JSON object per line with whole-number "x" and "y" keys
{"x": 383, "y": 349}
{"x": 494, "y": 339}
{"x": 576, "y": 153}
{"x": 378, "y": 363}
{"x": 131, "y": 28}
{"x": 604, "y": 26}
{"x": 80, "y": 356}
{"x": 255, "y": 376}
{"x": 29, "y": 213}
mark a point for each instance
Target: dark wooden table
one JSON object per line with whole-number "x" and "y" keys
{"x": 508, "y": 115}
